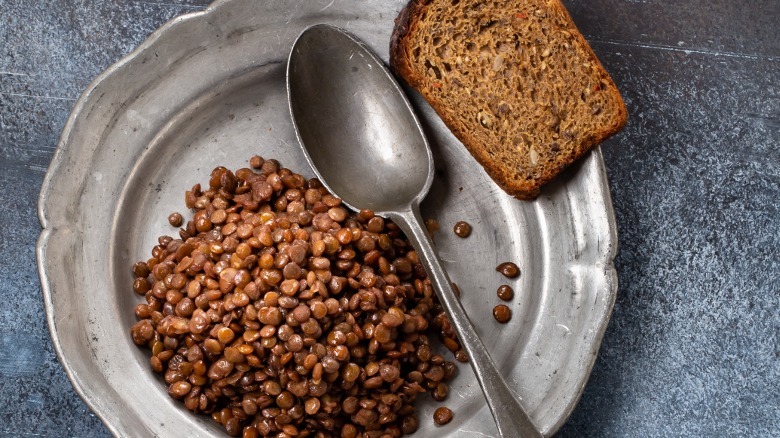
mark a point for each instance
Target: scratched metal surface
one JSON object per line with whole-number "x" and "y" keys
{"x": 692, "y": 347}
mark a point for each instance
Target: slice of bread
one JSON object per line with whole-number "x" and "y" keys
{"x": 515, "y": 81}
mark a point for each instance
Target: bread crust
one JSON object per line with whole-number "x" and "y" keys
{"x": 400, "y": 61}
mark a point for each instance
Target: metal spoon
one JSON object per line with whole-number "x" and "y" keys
{"x": 363, "y": 141}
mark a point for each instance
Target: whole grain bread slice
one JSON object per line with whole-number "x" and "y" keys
{"x": 515, "y": 81}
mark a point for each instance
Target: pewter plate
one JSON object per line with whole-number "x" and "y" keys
{"x": 207, "y": 89}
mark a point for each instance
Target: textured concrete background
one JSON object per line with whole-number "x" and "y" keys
{"x": 693, "y": 345}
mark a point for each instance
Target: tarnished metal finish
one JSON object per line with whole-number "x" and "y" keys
{"x": 208, "y": 89}
{"x": 358, "y": 131}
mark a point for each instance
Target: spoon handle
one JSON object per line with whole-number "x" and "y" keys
{"x": 510, "y": 417}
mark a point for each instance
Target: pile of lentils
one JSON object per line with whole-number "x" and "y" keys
{"x": 280, "y": 313}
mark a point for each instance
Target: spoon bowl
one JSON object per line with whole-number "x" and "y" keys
{"x": 372, "y": 137}
{"x": 361, "y": 137}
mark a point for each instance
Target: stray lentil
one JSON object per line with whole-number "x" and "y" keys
{"x": 502, "y": 313}
{"x": 505, "y": 292}
{"x": 462, "y": 229}
{"x": 442, "y": 415}
{"x": 508, "y": 270}
{"x": 175, "y": 219}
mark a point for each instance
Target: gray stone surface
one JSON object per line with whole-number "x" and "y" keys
{"x": 693, "y": 348}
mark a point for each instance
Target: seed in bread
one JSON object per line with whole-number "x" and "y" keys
{"x": 516, "y": 82}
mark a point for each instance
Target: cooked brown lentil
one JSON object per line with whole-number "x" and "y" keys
{"x": 505, "y": 292}
{"x": 502, "y": 313}
{"x": 508, "y": 269}
{"x": 462, "y": 229}
{"x": 442, "y": 415}
{"x": 256, "y": 162}
{"x": 280, "y": 313}
{"x": 175, "y": 219}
